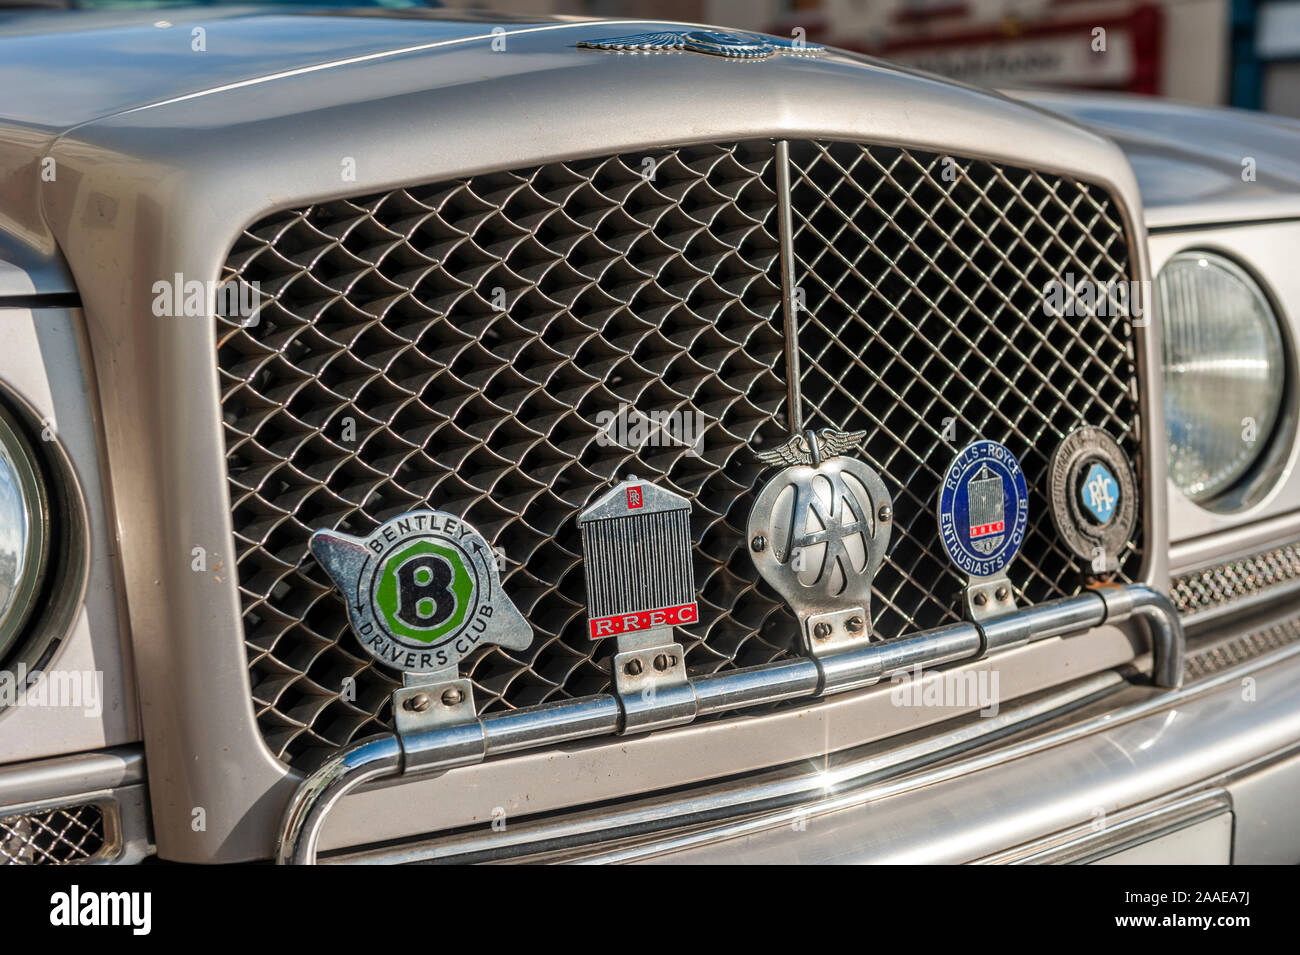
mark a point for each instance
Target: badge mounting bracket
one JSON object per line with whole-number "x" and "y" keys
{"x": 989, "y": 597}
{"x": 650, "y": 681}
{"x": 427, "y": 704}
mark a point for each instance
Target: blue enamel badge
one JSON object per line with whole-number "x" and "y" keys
{"x": 983, "y": 509}
{"x": 1099, "y": 493}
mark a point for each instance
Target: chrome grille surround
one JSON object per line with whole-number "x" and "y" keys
{"x": 63, "y": 835}
{"x": 664, "y": 295}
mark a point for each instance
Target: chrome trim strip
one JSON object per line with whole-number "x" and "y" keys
{"x": 1084, "y": 844}
{"x": 738, "y": 797}
{"x": 63, "y": 776}
{"x": 789, "y": 300}
{"x": 383, "y": 756}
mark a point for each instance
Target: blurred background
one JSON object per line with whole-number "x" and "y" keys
{"x": 1228, "y": 52}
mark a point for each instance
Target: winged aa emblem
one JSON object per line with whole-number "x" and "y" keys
{"x": 818, "y": 533}
{"x": 810, "y": 449}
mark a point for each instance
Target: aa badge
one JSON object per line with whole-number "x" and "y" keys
{"x": 818, "y": 533}
{"x": 422, "y": 590}
{"x": 1093, "y": 494}
{"x": 983, "y": 514}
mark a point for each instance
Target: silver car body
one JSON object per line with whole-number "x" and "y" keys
{"x": 161, "y": 157}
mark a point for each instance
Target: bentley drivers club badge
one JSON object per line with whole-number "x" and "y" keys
{"x": 1093, "y": 495}
{"x": 422, "y": 591}
{"x": 818, "y": 532}
{"x": 983, "y": 514}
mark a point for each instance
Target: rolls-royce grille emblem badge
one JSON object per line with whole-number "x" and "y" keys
{"x": 983, "y": 514}
{"x": 987, "y": 513}
{"x": 636, "y": 542}
{"x": 740, "y": 46}
{"x": 818, "y": 532}
{"x": 1093, "y": 496}
{"x": 423, "y": 591}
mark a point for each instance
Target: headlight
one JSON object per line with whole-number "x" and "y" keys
{"x": 23, "y": 532}
{"x": 1224, "y": 372}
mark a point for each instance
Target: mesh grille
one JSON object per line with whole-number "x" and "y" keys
{"x": 1247, "y": 577}
{"x": 462, "y": 344}
{"x": 59, "y": 836}
{"x": 923, "y": 278}
{"x": 472, "y": 334}
{"x": 1226, "y": 655}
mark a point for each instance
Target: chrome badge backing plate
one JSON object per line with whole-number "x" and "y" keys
{"x": 422, "y": 591}
{"x": 818, "y": 532}
{"x": 1093, "y": 493}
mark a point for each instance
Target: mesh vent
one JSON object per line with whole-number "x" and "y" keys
{"x": 923, "y": 278}
{"x": 1224, "y": 656}
{"x": 1247, "y": 577}
{"x": 461, "y": 345}
{"x": 61, "y": 836}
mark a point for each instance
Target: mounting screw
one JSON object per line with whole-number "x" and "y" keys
{"x": 981, "y": 599}
{"x": 664, "y": 661}
{"x": 1003, "y": 593}
{"x": 822, "y": 630}
{"x": 633, "y": 668}
{"x": 418, "y": 703}
{"x": 451, "y": 696}
{"x": 885, "y": 513}
{"x": 853, "y": 625}
{"x": 758, "y": 544}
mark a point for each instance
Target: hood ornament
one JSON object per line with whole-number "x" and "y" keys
{"x": 818, "y": 532}
{"x": 724, "y": 43}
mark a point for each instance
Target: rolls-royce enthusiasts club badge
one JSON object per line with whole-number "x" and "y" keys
{"x": 724, "y": 43}
{"x": 422, "y": 591}
{"x": 1093, "y": 495}
{"x": 983, "y": 513}
{"x": 818, "y": 532}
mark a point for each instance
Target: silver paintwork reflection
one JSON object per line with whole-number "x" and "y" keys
{"x": 1189, "y": 159}
{"x": 163, "y": 185}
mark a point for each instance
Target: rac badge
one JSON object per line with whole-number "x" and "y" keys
{"x": 818, "y": 532}
{"x": 983, "y": 513}
{"x": 1093, "y": 494}
{"x": 422, "y": 591}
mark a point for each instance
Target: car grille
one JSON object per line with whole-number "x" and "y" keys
{"x": 60, "y": 836}
{"x": 462, "y": 345}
